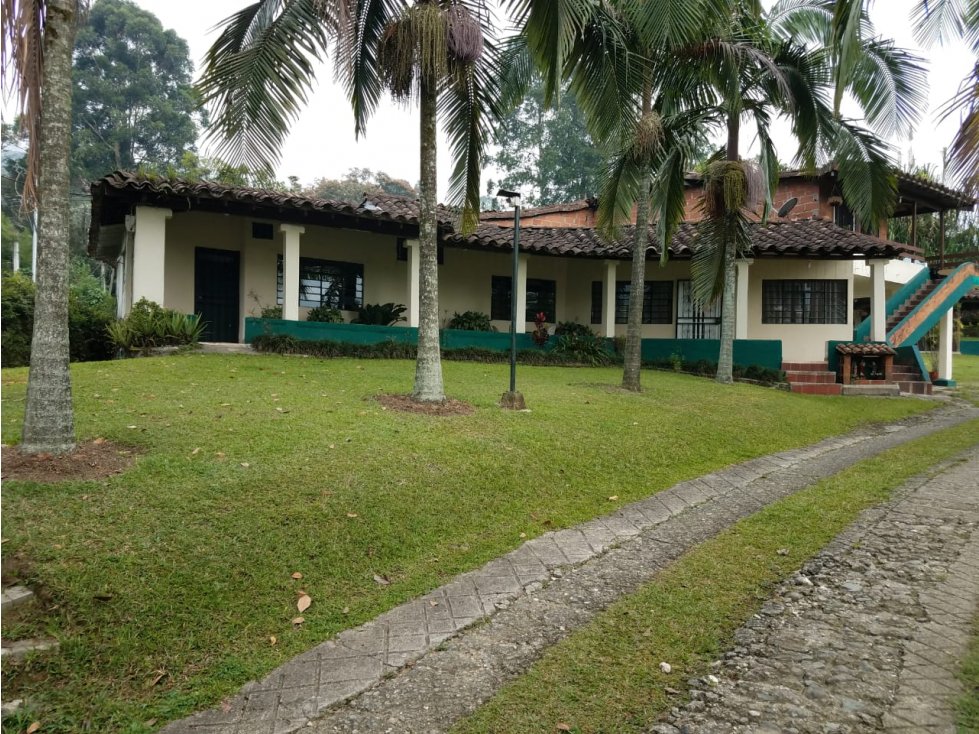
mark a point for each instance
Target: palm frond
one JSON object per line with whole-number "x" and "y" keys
{"x": 804, "y": 21}
{"x": 768, "y": 162}
{"x": 847, "y": 34}
{"x": 258, "y": 74}
{"x": 891, "y": 86}
{"x": 621, "y": 181}
{"x": 963, "y": 153}
{"x": 468, "y": 107}
{"x": 669, "y": 198}
{"x": 707, "y": 265}
{"x": 22, "y": 52}
{"x": 939, "y": 21}
{"x": 662, "y": 24}
{"x": 516, "y": 69}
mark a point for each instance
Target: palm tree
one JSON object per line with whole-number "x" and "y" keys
{"x": 935, "y": 21}
{"x": 762, "y": 69}
{"x": 262, "y": 66}
{"x": 38, "y": 39}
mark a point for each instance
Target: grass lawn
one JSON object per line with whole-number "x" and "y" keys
{"x": 605, "y": 677}
{"x": 166, "y": 583}
{"x": 965, "y": 371}
{"x": 968, "y": 704}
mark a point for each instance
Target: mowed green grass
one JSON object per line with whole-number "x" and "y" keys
{"x": 606, "y": 677}
{"x": 167, "y": 582}
{"x": 965, "y": 371}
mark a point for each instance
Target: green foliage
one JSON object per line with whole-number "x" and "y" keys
{"x": 16, "y": 319}
{"x": 90, "y": 311}
{"x": 358, "y": 182}
{"x": 546, "y": 153}
{"x": 586, "y": 348}
{"x": 271, "y": 312}
{"x": 471, "y": 321}
{"x": 324, "y": 314}
{"x": 132, "y": 101}
{"x": 573, "y": 328}
{"x": 707, "y": 368}
{"x": 380, "y": 314}
{"x": 149, "y": 326}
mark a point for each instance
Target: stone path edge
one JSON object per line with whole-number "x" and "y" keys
{"x": 357, "y": 659}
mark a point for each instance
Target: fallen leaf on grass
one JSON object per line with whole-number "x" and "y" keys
{"x": 151, "y": 722}
{"x": 613, "y": 498}
{"x": 245, "y": 464}
{"x": 303, "y": 604}
{"x": 33, "y": 727}
{"x": 345, "y": 610}
{"x": 99, "y": 441}
{"x": 196, "y": 451}
{"x": 297, "y": 575}
{"x": 563, "y": 727}
{"x": 298, "y": 620}
{"x": 382, "y": 580}
{"x": 351, "y": 514}
{"x": 273, "y": 639}
{"x": 160, "y": 675}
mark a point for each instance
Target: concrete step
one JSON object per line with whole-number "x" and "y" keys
{"x": 915, "y": 387}
{"x": 816, "y": 388}
{"x": 887, "y": 389}
{"x": 801, "y": 376}
{"x": 14, "y": 596}
{"x": 19, "y": 649}
{"x": 805, "y": 366}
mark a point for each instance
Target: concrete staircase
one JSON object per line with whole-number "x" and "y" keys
{"x": 811, "y": 378}
{"x": 896, "y": 316}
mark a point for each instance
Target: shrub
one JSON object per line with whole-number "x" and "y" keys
{"x": 271, "y": 312}
{"x": 381, "y": 314}
{"x": 540, "y": 335}
{"x": 323, "y": 314}
{"x": 582, "y": 346}
{"x": 16, "y": 319}
{"x": 573, "y": 328}
{"x": 149, "y": 326}
{"x": 471, "y": 321}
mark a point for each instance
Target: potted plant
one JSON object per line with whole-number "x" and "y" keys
{"x": 931, "y": 363}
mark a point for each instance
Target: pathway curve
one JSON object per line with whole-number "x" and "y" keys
{"x": 424, "y": 664}
{"x": 869, "y": 635}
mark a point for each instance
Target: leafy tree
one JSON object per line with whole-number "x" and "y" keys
{"x": 260, "y": 71}
{"x": 546, "y": 153}
{"x": 357, "y": 182}
{"x": 133, "y": 101}
{"x": 38, "y": 37}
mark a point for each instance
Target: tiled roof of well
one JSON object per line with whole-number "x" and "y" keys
{"x": 802, "y": 238}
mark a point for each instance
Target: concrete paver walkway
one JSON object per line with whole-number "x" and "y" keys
{"x": 532, "y": 597}
{"x": 870, "y": 634}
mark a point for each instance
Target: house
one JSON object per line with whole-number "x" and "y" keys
{"x": 227, "y": 252}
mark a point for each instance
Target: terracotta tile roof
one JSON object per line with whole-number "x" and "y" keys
{"x": 803, "y": 238}
{"x": 868, "y": 349}
{"x": 571, "y": 206}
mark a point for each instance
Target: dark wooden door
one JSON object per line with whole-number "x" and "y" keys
{"x": 216, "y": 293}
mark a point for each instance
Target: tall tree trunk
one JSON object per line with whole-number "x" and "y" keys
{"x": 725, "y": 357}
{"x": 637, "y": 288}
{"x": 428, "y": 366}
{"x": 48, "y": 418}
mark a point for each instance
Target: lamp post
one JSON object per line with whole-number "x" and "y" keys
{"x": 512, "y": 399}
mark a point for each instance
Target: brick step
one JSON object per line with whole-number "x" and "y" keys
{"x": 880, "y": 389}
{"x": 805, "y": 366}
{"x": 800, "y": 376}
{"x": 816, "y": 388}
{"x": 915, "y": 387}
{"x": 897, "y": 375}
{"x": 862, "y": 381}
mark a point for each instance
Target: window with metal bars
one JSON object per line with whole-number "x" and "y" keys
{"x": 326, "y": 283}
{"x": 596, "y": 301}
{"x": 541, "y": 296}
{"x": 804, "y": 302}
{"x": 657, "y": 302}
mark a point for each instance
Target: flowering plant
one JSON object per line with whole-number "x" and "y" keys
{"x": 540, "y": 329}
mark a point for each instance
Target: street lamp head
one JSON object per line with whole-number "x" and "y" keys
{"x": 508, "y": 194}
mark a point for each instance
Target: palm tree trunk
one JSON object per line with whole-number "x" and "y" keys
{"x": 48, "y": 418}
{"x": 637, "y": 288}
{"x": 725, "y": 357}
{"x": 428, "y": 366}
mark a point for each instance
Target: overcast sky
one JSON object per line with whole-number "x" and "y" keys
{"x": 322, "y": 142}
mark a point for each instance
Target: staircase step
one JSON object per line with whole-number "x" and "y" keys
{"x": 880, "y": 389}
{"x": 805, "y": 366}
{"x": 19, "y": 649}
{"x": 816, "y": 388}
{"x": 800, "y": 376}
{"x": 915, "y": 387}
{"x": 14, "y": 596}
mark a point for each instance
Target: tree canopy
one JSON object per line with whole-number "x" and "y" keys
{"x": 133, "y": 101}
{"x": 357, "y": 182}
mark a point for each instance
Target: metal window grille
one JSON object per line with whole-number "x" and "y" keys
{"x": 657, "y": 302}
{"x": 804, "y": 302}
{"x": 541, "y": 296}
{"x": 596, "y": 301}
{"x": 695, "y": 321}
{"x": 326, "y": 283}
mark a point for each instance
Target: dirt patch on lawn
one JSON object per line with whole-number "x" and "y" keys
{"x": 90, "y": 460}
{"x": 405, "y": 404}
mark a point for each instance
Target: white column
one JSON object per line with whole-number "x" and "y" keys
{"x": 878, "y": 301}
{"x": 290, "y": 270}
{"x": 414, "y": 271}
{"x": 149, "y": 253}
{"x": 521, "y": 289}
{"x": 608, "y": 310}
{"x": 741, "y": 312}
{"x": 945, "y": 328}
